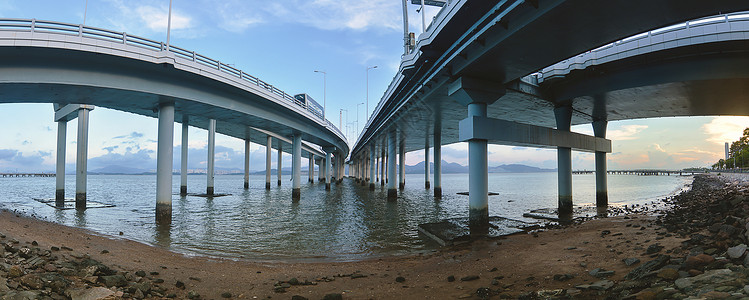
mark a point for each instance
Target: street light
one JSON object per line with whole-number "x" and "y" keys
{"x": 340, "y": 117}
{"x": 324, "y": 91}
{"x": 169, "y": 25}
{"x": 357, "y": 116}
{"x": 367, "y": 110}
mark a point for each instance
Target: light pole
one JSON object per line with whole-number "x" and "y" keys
{"x": 357, "y": 116}
{"x": 324, "y": 91}
{"x": 340, "y": 117}
{"x": 169, "y": 25}
{"x": 367, "y": 110}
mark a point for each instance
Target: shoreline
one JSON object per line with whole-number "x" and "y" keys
{"x": 559, "y": 260}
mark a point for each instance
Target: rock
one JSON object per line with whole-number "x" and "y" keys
{"x": 736, "y": 251}
{"x": 400, "y": 279}
{"x": 600, "y": 273}
{"x": 225, "y": 295}
{"x": 715, "y": 295}
{"x": 631, "y": 261}
{"x": 469, "y": 278}
{"x": 140, "y": 273}
{"x": 698, "y": 261}
{"x": 294, "y": 281}
{"x": 597, "y": 286}
{"x": 450, "y": 278}
{"x": 668, "y": 274}
{"x": 648, "y": 267}
{"x": 15, "y": 271}
{"x": 180, "y": 285}
{"x": 297, "y": 297}
{"x": 483, "y": 292}
{"x": 113, "y": 280}
{"x": 713, "y": 277}
{"x": 50, "y": 268}
{"x": 32, "y": 281}
{"x": 654, "y": 248}
{"x": 193, "y": 295}
{"x": 334, "y": 296}
{"x": 25, "y": 252}
{"x": 563, "y": 277}
{"x": 93, "y": 293}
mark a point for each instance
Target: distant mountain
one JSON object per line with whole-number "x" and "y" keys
{"x": 113, "y": 169}
{"x": 517, "y": 168}
{"x": 452, "y": 168}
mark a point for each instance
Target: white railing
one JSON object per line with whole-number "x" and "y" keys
{"x": 585, "y": 58}
{"x": 40, "y": 26}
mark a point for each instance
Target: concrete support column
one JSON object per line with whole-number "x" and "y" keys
{"x": 563, "y": 115}
{"x": 478, "y": 175}
{"x": 392, "y": 192}
{"x": 477, "y": 94}
{"x": 321, "y": 170}
{"x": 247, "y": 161}
{"x": 280, "y": 162}
{"x": 426, "y": 163}
{"x": 602, "y": 194}
{"x": 183, "y": 161}
{"x": 382, "y": 167}
{"x": 296, "y": 167}
{"x": 364, "y": 169}
{"x": 211, "y": 155}
{"x": 62, "y": 128}
{"x": 327, "y": 171}
{"x": 437, "y": 162}
{"x": 164, "y": 156}
{"x": 311, "y": 167}
{"x": 402, "y": 165}
{"x": 268, "y": 152}
{"x": 81, "y": 162}
{"x": 372, "y": 170}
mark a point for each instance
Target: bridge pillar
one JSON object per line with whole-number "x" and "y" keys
{"x": 477, "y": 94}
{"x": 602, "y": 194}
{"x": 372, "y": 171}
{"x": 426, "y": 163}
{"x": 392, "y": 192}
{"x": 280, "y": 162}
{"x": 268, "y": 152}
{"x": 327, "y": 170}
{"x": 296, "y": 167}
{"x": 402, "y": 165}
{"x": 183, "y": 161}
{"x": 364, "y": 169}
{"x": 382, "y": 166}
{"x": 211, "y": 156}
{"x": 437, "y": 162}
{"x": 81, "y": 162}
{"x": 247, "y": 159}
{"x": 62, "y": 127}
{"x": 321, "y": 170}
{"x": 164, "y": 156}
{"x": 563, "y": 115}
{"x": 311, "y": 167}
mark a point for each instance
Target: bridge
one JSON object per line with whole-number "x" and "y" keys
{"x": 78, "y": 67}
{"x": 506, "y": 72}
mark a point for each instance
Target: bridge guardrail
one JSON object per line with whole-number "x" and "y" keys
{"x": 585, "y": 59}
{"x": 42, "y": 26}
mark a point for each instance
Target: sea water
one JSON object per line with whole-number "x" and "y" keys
{"x": 347, "y": 223}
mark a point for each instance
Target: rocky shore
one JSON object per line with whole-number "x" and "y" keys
{"x": 694, "y": 250}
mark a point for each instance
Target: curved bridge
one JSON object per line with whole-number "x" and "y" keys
{"x": 64, "y": 64}
{"x": 475, "y": 61}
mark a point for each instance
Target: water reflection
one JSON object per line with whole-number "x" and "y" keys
{"x": 348, "y": 222}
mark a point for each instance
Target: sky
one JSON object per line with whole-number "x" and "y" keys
{"x": 283, "y": 42}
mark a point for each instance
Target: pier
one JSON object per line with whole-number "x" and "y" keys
{"x": 27, "y": 174}
{"x": 642, "y": 172}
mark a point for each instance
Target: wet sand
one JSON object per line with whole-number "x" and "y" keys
{"x": 512, "y": 266}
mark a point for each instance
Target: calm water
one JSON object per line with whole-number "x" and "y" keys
{"x": 347, "y": 223}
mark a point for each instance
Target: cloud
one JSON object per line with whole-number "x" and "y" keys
{"x": 236, "y": 16}
{"x": 157, "y": 18}
{"x": 141, "y": 159}
{"x": 627, "y": 132}
{"x": 725, "y": 129}
{"x": 15, "y": 160}
{"x": 132, "y": 135}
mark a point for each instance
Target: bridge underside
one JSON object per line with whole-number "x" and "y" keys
{"x": 30, "y": 75}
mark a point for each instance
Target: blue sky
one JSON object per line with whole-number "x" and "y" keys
{"x": 283, "y": 42}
